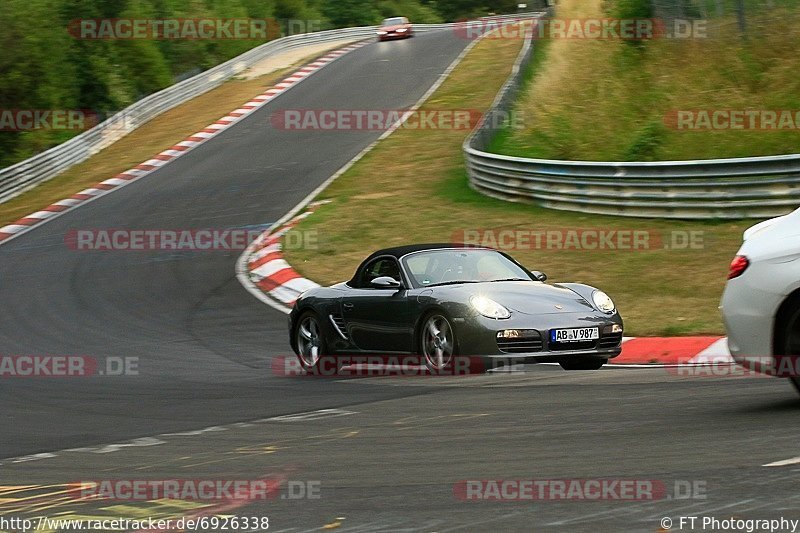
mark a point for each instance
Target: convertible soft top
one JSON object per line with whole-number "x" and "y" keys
{"x": 400, "y": 251}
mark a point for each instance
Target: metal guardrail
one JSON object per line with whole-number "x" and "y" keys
{"x": 752, "y": 187}
{"x": 26, "y": 174}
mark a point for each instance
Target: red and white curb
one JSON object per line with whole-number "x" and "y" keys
{"x": 674, "y": 351}
{"x": 139, "y": 171}
{"x": 270, "y": 273}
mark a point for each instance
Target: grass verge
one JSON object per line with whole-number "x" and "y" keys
{"x": 612, "y": 100}
{"x": 413, "y": 188}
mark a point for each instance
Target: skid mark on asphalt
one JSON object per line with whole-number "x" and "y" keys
{"x": 414, "y": 421}
{"x": 239, "y": 453}
{"x": 267, "y": 449}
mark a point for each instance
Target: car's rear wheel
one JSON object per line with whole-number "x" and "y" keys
{"x": 311, "y": 346}
{"x": 437, "y": 343}
{"x": 583, "y": 363}
{"x": 790, "y": 342}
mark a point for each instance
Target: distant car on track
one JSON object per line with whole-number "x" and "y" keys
{"x": 395, "y": 28}
{"x": 761, "y": 302}
{"x": 440, "y": 301}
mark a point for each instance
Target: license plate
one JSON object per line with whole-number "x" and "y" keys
{"x": 574, "y": 334}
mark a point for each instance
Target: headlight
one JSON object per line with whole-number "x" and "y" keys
{"x": 401, "y": 30}
{"x": 488, "y": 307}
{"x": 603, "y": 302}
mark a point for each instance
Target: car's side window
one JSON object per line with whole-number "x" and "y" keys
{"x": 383, "y": 266}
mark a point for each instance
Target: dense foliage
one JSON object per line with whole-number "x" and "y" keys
{"x": 43, "y": 66}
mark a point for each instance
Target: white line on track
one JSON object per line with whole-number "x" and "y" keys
{"x": 163, "y": 438}
{"x": 785, "y": 462}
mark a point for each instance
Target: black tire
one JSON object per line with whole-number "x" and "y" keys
{"x": 583, "y": 363}
{"x": 788, "y": 341}
{"x": 311, "y": 347}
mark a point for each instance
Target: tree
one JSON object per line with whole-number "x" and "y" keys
{"x": 344, "y": 13}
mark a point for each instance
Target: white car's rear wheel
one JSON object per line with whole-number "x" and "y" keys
{"x": 791, "y": 336}
{"x": 791, "y": 343}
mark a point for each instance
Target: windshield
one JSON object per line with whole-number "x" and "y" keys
{"x": 437, "y": 267}
{"x": 395, "y": 21}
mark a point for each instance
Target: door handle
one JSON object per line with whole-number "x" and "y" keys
{"x": 347, "y": 306}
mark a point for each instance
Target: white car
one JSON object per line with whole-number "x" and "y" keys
{"x": 761, "y": 302}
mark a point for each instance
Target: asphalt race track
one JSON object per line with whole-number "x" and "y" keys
{"x": 388, "y": 452}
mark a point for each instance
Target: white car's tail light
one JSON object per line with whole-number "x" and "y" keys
{"x": 738, "y": 266}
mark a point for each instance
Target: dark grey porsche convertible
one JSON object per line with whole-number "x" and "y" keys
{"x": 441, "y": 301}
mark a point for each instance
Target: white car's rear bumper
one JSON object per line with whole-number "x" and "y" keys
{"x": 749, "y": 315}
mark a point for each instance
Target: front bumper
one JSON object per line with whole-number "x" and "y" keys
{"x": 392, "y": 36}
{"x": 477, "y": 335}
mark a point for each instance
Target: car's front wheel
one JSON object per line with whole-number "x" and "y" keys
{"x": 437, "y": 343}
{"x": 583, "y": 363}
{"x": 311, "y": 346}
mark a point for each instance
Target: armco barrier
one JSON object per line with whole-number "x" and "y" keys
{"x": 752, "y": 187}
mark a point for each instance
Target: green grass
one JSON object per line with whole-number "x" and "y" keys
{"x": 538, "y": 58}
{"x": 423, "y": 196}
{"x": 609, "y": 100}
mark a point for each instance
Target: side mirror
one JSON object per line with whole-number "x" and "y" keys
{"x": 385, "y": 282}
{"x": 541, "y": 276}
